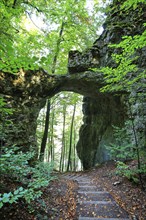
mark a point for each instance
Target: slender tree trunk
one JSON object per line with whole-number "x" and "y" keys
{"x": 45, "y": 135}
{"x": 58, "y": 47}
{"x": 48, "y": 149}
{"x": 69, "y": 164}
{"x": 52, "y": 138}
{"x": 63, "y": 140}
{"x": 137, "y": 147}
{"x": 65, "y": 154}
{"x": 74, "y": 149}
{"x": 63, "y": 157}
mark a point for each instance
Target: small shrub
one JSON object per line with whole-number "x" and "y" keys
{"x": 129, "y": 173}
{"x": 14, "y": 165}
{"x": 122, "y": 149}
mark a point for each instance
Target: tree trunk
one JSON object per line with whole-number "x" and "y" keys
{"x": 137, "y": 148}
{"x": 69, "y": 164}
{"x": 45, "y": 135}
{"x": 52, "y": 138}
{"x": 58, "y": 47}
{"x": 63, "y": 141}
{"x": 74, "y": 149}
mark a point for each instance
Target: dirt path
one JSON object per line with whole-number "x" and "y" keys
{"x": 94, "y": 203}
{"x": 90, "y": 195}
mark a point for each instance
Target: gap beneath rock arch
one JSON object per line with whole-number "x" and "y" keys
{"x": 65, "y": 119}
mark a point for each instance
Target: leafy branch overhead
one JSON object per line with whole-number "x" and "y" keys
{"x": 127, "y": 64}
{"x": 128, "y": 56}
{"x": 30, "y": 33}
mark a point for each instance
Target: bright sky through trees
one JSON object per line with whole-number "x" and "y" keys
{"x": 33, "y": 22}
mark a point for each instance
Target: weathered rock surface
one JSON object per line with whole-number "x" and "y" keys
{"x": 99, "y": 115}
{"x": 40, "y": 84}
{"x": 26, "y": 94}
{"x": 102, "y": 112}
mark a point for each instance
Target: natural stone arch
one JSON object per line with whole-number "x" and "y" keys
{"x": 26, "y": 93}
{"x": 40, "y": 83}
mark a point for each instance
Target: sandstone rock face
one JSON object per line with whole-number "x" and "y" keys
{"x": 106, "y": 110}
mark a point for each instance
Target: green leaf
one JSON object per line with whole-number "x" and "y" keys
{"x": 21, "y": 189}
{"x": 1, "y": 205}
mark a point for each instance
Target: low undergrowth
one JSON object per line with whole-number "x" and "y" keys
{"x": 19, "y": 180}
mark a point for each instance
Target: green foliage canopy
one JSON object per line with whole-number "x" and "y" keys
{"x": 29, "y": 32}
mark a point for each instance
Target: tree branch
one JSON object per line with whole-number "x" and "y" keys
{"x": 33, "y": 6}
{"x": 34, "y": 22}
{"x": 14, "y": 4}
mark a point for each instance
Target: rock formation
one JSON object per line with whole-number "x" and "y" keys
{"x": 26, "y": 92}
{"x": 104, "y": 111}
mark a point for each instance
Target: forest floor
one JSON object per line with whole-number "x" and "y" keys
{"x": 59, "y": 199}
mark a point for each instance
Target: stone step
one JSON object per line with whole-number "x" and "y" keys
{"x": 89, "y": 218}
{"x": 101, "y": 210}
{"x": 97, "y": 202}
{"x": 94, "y": 202}
{"x": 93, "y": 192}
{"x": 95, "y": 197}
{"x": 82, "y": 179}
{"x": 84, "y": 183}
{"x": 87, "y": 188}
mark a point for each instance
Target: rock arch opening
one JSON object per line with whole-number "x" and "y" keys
{"x": 96, "y": 131}
{"x": 65, "y": 119}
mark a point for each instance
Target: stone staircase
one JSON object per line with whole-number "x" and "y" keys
{"x": 94, "y": 203}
